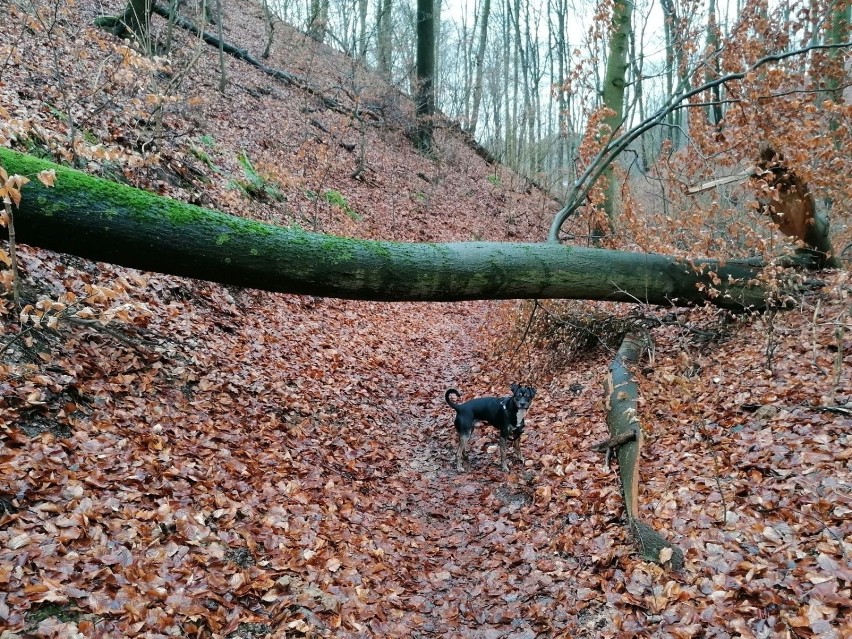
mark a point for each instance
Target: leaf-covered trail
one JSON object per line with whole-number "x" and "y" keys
{"x": 458, "y": 527}
{"x": 431, "y": 552}
{"x": 288, "y": 465}
{"x": 460, "y": 559}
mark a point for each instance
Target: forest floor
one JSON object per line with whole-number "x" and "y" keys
{"x": 210, "y": 461}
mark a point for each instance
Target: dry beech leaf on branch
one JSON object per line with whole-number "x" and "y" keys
{"x": 47, "y": 177}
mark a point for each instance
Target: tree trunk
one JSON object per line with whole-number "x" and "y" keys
{"x": 613, "y": 93}
{"x": 318, "y": 20}
{"x": 220, "y": 18}
{"x": 522, "y": 122}
{"x": 383, "y": 38}
{"x": 835, "y": 78}
{"x": 714, "y": 70}
{"x": 626, "y": 439}
{"x": 100, "y": 220}
{"x": 269, "y": 24}
{"x": 133, "y": 22}
{"x": 425, "y": 98}
{"x": 788, "y": 201}
{"x": 638, "y": 62}
{"x": 672, "y": 28}
{"x": 362, "y": 31}
{"x": 562, "y": 46}
{"x": 480, "y": 64}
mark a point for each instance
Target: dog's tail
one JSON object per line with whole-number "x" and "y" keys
{"x": 452, "y": 391}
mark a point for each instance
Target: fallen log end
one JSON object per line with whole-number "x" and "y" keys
{"x": 653, "y": 547}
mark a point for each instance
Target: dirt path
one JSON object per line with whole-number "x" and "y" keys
{"x": 463, "y": 531}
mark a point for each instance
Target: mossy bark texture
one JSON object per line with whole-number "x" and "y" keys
{"x": 134, "y": 21}
{"x": 104, "y": 221}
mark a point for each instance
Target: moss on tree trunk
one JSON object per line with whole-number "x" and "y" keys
{"x": 100, "y": 220}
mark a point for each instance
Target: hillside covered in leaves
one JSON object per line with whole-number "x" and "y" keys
{"x": 179, "y": 458}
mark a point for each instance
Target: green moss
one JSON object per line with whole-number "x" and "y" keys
{"x": 336, "y": 198}
{"x": 57, "y": 113}
{"x": 336, "y": 249}
{"x": 90, "y": 137}
{"x": 114, "y": 203}
{"x": 201, "y": 154}
{"x": 111, "y": 200}
{"x": 256, "y": 185}
{"x": 61, "y": 612}
{"x": 380, "y": 249}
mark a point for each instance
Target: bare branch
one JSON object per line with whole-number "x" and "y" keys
{"x": 583, "y": 185}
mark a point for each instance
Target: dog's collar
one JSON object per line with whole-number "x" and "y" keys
{"x": 505, "y": 403}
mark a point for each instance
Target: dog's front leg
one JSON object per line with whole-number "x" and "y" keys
{"x": 517, "y": 445}
{"x": 504, "y": 465}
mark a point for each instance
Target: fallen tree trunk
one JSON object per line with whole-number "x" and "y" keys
{"x": 230, "y": 49}
{"x": 626, "y": 439}
{"x": 104, "y": 221}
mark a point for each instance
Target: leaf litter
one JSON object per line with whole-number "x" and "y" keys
{"x": 248, "y": 464}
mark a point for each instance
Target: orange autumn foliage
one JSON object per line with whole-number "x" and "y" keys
{"x": 784, "y": 196}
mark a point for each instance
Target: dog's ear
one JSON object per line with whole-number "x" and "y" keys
{"x": 514, "y": 388}
{"x": 532, "y": 392}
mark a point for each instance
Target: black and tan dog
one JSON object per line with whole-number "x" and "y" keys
{"x": 506, "y": 414}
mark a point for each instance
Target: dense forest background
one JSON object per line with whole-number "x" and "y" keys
{"x": 545, "y": 85}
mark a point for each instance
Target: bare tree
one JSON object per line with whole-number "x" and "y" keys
{"x": 425, "y": 97}
{"x": 363, "y": 7}
{"x": 318, "y": 20}
{"x": 480, "y": 62}
{"x": 713, "y": 51}
{"x": 270, "y": 28}
{"x": 220, "y": 18}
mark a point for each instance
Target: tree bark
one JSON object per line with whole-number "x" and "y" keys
{"x": 135, "y": 21}
{"x": 789, "y": 202}
{"x": 674, "y": 55}
{"x": 269, "y": 24}
{"x": 220, "y": 18}
{"x": 318, "y": 20}
{"x": 714, "y": 70}
{"x": 362, "y": 31}
{"x": 615, "y": 82}
{"x": 480, "y": 66}
{"x": 383, "y": 38}
{"x": 624, "y": 428}
{"x": 100, "y": 220}
{"x": 425, "y": 95}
